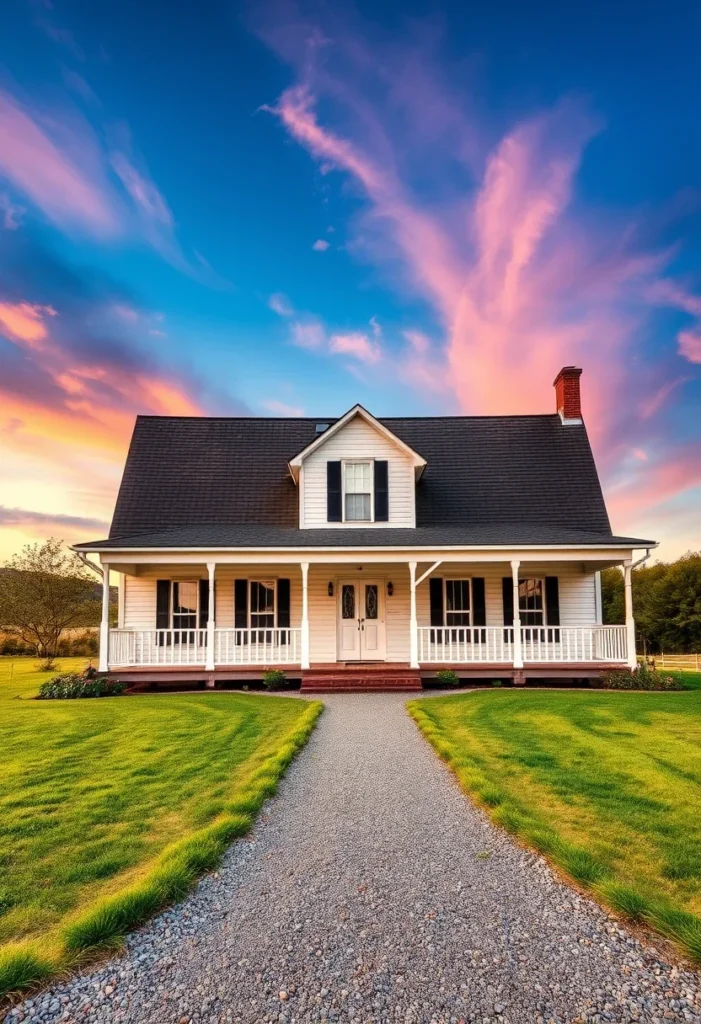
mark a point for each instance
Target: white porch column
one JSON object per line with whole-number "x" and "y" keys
{"x": 103, "y": 663}
{"x": 305, "y": 614}
{"x": 209, "y": 663}
{"x": 413, "y": 623}
{"x": 632, "y": 660}
{"x": 518, "y": 653}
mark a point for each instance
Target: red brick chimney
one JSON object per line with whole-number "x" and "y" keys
{"x": 567, "y": 395}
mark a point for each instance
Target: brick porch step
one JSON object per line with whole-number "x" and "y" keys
{"x": 360, "y": 678}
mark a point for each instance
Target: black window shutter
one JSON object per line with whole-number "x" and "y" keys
{"x": 283, "y": 607}
{"x": 507, "y": 590}
{"x": 479, "y": 608}
{"x": 162, "y": 609}
{"x": 241, "y": 608}
{"x": 552, "y": 600}
{"x": 204, "y": 603}
{"x": 334, "y": 506}
{"x": 381, "y": 491}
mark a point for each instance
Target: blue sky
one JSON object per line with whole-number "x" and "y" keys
{"x": 284, "y": 209}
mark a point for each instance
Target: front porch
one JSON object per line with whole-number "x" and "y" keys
{"x": 235, "y": 619}
{"x": 437, "y": 646}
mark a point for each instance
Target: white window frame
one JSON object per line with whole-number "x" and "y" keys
{"x": 172, "y": 604}
{"x": 356, "y": 462}
{"x": 456, "y": 579}
{"x": 541, "y": 625}
{"x": 258, "y": 579}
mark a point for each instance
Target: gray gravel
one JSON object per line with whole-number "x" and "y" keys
{"x": 371, "y": 890}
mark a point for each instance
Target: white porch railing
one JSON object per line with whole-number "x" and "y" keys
{"x": 257, "y": 646}
{"x": 182, "y": 647}
{"x": 157, "y": 647}
{"x": 539, "y": 644}
{"x": 465, "y": 644}
{"x": 566, "y": 644}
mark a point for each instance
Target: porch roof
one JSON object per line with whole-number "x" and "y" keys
{"x": 219, "y": 535}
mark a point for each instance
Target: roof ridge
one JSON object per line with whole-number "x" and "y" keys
{"x": 334, "y": 419}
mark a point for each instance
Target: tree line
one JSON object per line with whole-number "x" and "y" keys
{"x": 666, "y": 604}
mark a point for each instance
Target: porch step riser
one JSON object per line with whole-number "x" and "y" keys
{"x": 353, "y": 680}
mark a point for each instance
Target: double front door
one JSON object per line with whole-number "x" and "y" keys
{"x": 361, "y": 621}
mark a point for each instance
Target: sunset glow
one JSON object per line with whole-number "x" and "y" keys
{"x": 298, "y": 210}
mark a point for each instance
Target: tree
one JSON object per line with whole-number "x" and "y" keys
{"x": 666, "y": 604}
{"x": 43, "y": 591}
{"x": 612, "y": 597}
{"x": 649, "y": 615}
{"x": 675, "y": 604}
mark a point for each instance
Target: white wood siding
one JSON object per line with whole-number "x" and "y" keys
{"x": 357, "y": 440}
{"x": 577, "y": 589}
{"x": 577, "y": 596}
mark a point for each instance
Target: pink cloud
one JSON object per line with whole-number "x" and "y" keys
{"x": 690, "y": 345}
{"x": 357, "y": 345}
{"x": 65, "y": 181}
{"x": 321, "y": 245}
{"x": 282, "y": 409}
{"x": 147, "y": 199}
{"x": 280, "y": 304}
{"x": 518, "y": 279}
{"x": 652, "y": 403}
{"x": 656, "y": 483}
{"x": 10, "y": 213}
{"x": 309, "y": 334}
{"x": 25, "y": 322}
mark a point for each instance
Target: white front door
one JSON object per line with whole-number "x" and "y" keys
{"x": 361, "y": 621}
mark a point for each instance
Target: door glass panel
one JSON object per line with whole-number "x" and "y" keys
{"x": 371, "y": 601}
{"x": 348, "y": 601}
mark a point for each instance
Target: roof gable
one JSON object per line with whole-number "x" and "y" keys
{"x": 295, "y": 464}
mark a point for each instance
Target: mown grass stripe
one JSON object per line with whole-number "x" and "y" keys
{"x": 169, "y": 879}
{"x": 480, "y": 750}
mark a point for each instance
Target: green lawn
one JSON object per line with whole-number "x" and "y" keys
{"x": 109, "y": 808}
{"x": 606, "y": 784}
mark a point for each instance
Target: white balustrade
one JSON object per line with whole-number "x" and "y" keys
{"x": 181, "y": 647}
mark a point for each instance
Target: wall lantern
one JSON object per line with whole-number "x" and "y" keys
{"x": 330, "y": 589}
{"x": 390, "y": 589}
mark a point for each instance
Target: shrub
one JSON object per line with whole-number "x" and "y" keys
{"x": 644, "y": 677}
{"x": 446, "y": 677}
{"x": 275, "y": 679}
{"x": 496, "y": 682}
{"x": 71, "y": 686}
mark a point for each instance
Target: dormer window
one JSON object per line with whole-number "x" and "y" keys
{"x": 357, "y": 492}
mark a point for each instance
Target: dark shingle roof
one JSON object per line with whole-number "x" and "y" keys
{"x": 196, "y": 482}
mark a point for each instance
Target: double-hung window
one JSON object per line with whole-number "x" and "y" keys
{"x": 357, "y": 492}
{"x": 531, "y": 607}
{"x": 262, "y": 608}
{"x": 184, "y": 603}
{"x": 457, "y": 603}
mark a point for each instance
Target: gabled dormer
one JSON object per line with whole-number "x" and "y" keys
{"x": 357, "y": 473}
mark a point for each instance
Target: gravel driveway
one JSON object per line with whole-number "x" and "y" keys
{"x": 371, "y": 890}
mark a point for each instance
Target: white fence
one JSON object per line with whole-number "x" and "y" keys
{"x": 682, "y": 661}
